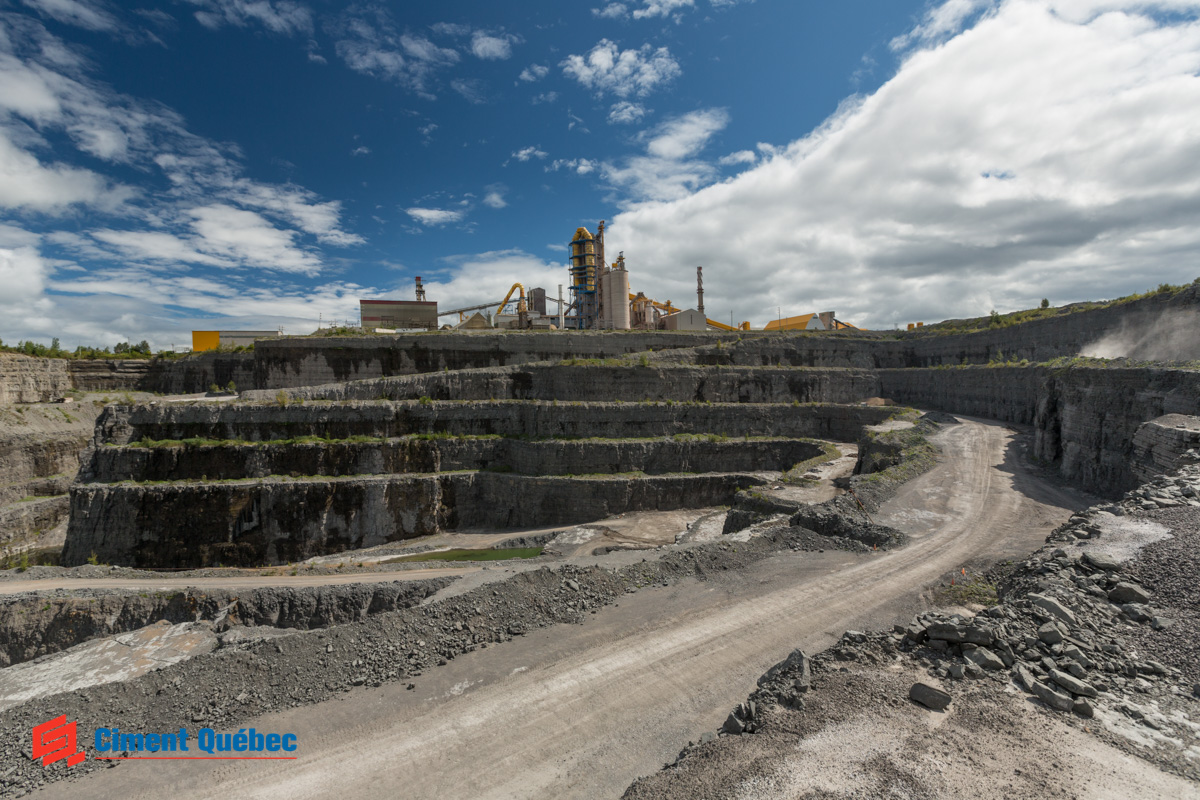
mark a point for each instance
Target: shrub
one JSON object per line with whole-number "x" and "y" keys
{"x": 214, "y": 388}
{"x": 231, "y": 387}
{"x": 281, "y": 397}
{"x": 1045, "y": 302}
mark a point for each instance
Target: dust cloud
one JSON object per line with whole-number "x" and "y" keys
{"x": 1172, "y": 336}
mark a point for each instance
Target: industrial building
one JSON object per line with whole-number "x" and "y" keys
{"x": 824, "y": 321}
{"x": 211, "y": 340}
{"x": 600, "y": 299}
{"x": 398, "y": 314}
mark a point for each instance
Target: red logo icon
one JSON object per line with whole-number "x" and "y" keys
{"x": 55, "y": 740}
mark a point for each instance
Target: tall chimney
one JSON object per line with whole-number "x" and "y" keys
{"x": 700, "y": 290}
{"x": 420, "y": 291}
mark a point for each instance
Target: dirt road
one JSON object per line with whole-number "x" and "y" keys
{"x": 580, "y": 711}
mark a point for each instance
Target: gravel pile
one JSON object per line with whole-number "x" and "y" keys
{"x": 1085, "y": 633}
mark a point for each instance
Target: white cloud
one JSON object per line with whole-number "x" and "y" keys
{"x": 367, "y": 41}
{"x": 492, "y": 47}
{"x": 671, "y": 167}
{"x": 494, "y": 198}
{"x": 486, "y": 277}
{"x": 158, "y": 246}
{"x": 23, "y": 276}
{"x": 581, "y": 166}
{"x": 534, "y": 72}
{"x": 361, "y": 150}
{"x": 436, "y": 216}
{"x": 25, "y": 183}
{"x": 661, "y": 8}
{"x": 624, "y": 73}
{"x": 247, "y": 239}
{"x": 740, "y": 157}
{"x": 526, "y": 153}
{"x": 278, "y": 16}
{"x": 612, "y": 11}
{"x": 626, "y": 112}
{"x": 544, "y": 97}
{"x": 1048, "y": 150}
{"x": 93, "y": 16}
{"x": 475, "y": 91}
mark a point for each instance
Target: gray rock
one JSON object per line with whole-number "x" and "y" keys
{"x": 929, "y": 696}
{"x": 1083, "y": 708}
{"x": 945, "y": 631}
{"x": 1073, "y": 652}
{"x": 1102, "y": 561}
{"x": 1125, "y": 592}
{"x": 1025, "y": 677}
{"x": 984, "y": 658}
{"x": 1004, "y": 650}
{"x": 977, "y": 635}
{"x": 1072, "y": 684}
{"x": 1050, "y": 634}
{"x": 733, "y": 724}
{"x": 1161, "y": 623}
{"x": 1137, "y": 612}
{"x": 796, "y": 662}
{"x": 1053, "y": 606}
{"x": 1056, "y": 700}
{"x": 957, "y": 671}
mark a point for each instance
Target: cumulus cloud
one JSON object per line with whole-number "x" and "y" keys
{"x": 740, "y": 157}
{"x": 607, "y": 69}
{"x": 612, "y": 11}
{"x": 670, "y": 168}
{"x": 494, "y": 198}
{"x": 534, "y": 72}
{"x": 1046, "y": 150}
{"x": 436, "y": 216}
{"x": 580, "y": 166}
{"x": 661, "y": 8}
{"x": 526, "y": 153}
{"x": 625, "y": 112}
{"x": 492, "y": 46}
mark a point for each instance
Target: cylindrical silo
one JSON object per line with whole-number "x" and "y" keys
{"x": 618, "y": 281}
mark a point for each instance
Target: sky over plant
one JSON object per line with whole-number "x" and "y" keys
{"x": 262, "y": 163}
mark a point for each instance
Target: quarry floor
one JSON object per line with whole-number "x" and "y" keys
{"x": 583, "y": 710}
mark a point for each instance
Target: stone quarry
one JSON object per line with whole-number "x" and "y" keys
{"x": 280, "y": 525}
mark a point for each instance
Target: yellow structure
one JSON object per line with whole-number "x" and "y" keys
{"x": 205, "y": 340}
{"x": 809, "y": 322}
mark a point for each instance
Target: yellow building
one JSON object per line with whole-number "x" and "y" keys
{"x": 824, "y": 321}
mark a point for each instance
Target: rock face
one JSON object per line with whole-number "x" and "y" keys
{"x": 929, "y": 696}
{"x": 32, "y": 380}
{"x": 272, "y": 522}
{"x": 1162, "y": 445}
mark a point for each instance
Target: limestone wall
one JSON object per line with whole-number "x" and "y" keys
{"x": 32, "y": 380}
{"x": 257, "y": 422}
{"x": 574, "y": 457}
{"x": 259, "y": 522}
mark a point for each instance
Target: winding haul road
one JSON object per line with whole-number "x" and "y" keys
{"x": 581, "y": 711}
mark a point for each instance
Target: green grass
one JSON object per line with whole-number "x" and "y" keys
{"x": 503, "y": 554}
{"x": 973, "y": 590}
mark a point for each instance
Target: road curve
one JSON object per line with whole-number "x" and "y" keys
{"x": 581, "y": 711}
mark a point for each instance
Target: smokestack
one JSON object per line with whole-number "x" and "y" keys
{"x": 420, "y": 291}
{"x": 700, "y": 290}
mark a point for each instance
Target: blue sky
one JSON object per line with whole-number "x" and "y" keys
{"x": 257, "y": 163}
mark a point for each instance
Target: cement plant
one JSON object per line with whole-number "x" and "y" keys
{"x": 581, "y": 542}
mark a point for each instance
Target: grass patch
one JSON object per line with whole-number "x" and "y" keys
{"x": 502, "y": 554}
{"x": 973, "y": 590}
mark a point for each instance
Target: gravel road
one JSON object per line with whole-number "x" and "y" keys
{"x": 580, "y": 711}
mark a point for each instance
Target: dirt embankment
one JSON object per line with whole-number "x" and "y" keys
{"x": 34, "y": 625}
